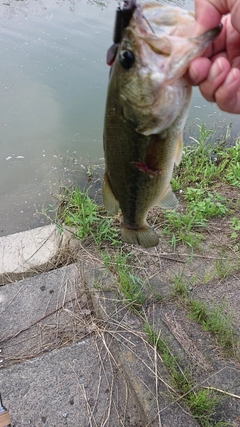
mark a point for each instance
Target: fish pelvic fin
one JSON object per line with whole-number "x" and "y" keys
{"x": 109, "y": 200}
{"x": 144, "y": 236}
{"x": 169, "y": 200}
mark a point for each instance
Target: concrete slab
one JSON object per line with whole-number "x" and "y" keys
{"x": 27, "y": 253}
{"x": 70, "y": 383}
{"x": 42, "y": 313}
{"x": 125, "y": 382}
{"x": 73, "y": 354}
{"x": 142, "y": 367}
{"x": 227, "y": 379}
{"x": 74, "y": 386}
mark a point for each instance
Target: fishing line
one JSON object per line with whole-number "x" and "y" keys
{"x": 148, "y": 24}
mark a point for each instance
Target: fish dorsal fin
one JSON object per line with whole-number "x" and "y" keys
{"x": 169, "y": 200}
{"x": 109, "y": 200}
{"x": 179, "y": 150}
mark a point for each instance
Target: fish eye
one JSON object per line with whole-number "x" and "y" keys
{"x": 126, "y": 59}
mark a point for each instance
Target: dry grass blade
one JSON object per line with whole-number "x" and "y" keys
{"x": 223, "y": 392}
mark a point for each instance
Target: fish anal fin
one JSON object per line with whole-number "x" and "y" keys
{"x": 179, "y": 150}
{"x": 144, "y": 236}
{"x": 109, "y": 200}
{"x": 169, "y": 200}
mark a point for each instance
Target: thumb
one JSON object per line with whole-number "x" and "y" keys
{"x": 207, "y": 14}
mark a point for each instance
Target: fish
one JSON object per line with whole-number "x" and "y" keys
{"x": 147, "y": 105}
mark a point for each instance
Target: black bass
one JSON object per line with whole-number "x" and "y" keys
{"x": 147, "y": 105}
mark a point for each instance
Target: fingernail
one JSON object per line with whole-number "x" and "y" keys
{"x": 232, "y": 75}
{"x": 194, "y": 73}
{"x": 215, "y": 70}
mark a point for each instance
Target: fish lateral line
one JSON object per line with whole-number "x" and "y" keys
{"x": 143, "y": 167}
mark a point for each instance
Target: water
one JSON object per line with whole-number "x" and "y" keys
{"x": 52, "y": 97}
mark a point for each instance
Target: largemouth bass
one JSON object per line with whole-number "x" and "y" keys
{"x": 147, "y": 105}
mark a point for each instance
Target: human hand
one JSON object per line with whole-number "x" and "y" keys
{"x": 218, "y": 72}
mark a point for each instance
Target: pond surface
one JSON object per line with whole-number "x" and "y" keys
{"x": 52, "y": 98}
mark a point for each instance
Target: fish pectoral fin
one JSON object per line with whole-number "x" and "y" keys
{"x": 144, "y": 236}
{"x": 169, "y": 200}
{"x": 179, "y": 150}
{"x": 109, "y": 200}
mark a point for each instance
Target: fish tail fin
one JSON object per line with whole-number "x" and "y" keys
{"x": 109, "y": 200}
{"x": 144, "y": 236}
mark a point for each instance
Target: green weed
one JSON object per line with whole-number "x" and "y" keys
{"x": 201, "y": 402}
{"x": 202, "y": 405}
{"x": 180, "y": 287}
{"x": 205, "y": 205}
{"x": 201, "y": 206}
{"x": 235, "y": 226}
{"x": 206, "y": 161}
{"x": 180, "y": 228}
{"x": 198, "y": 311}
{"x": 203, "y": 165}
{"x": 130, "y": 286}
{"x": 221, "y": 268}
{"x": 78, "y": 210}
{"x": 208, "y": 276}
{"x": 180, "y": 225}
{"x": 168, "y": 359}
{"x": 231, "y": 164}
{"x": 197, "y": 165}
{"x": 220, "y": 325}
{"x": 213, "y": 319}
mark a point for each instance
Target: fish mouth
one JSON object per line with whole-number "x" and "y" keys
{"x": 208, "y": 36}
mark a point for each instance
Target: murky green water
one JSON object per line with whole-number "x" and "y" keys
{"x": 52, "y": 98}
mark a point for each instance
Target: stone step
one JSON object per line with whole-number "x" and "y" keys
{"x": 27, "y": 253}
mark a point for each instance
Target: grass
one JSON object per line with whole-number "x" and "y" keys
{"x": 213, "y": 319}
{"x": 223, "y": 268}
{"x": 201, "y": 402}
{"x": 235, "y": 226}
{"x": 130, "y": 286}
{"x": 205, "y": 161}
{"x": 78, "y": 210}
{"x": 203, "y": 166}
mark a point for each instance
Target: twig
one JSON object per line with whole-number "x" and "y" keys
{"x": 13, "y": 298}
{"x": 161, "y": 256}
{"x": 223, "y": 391}
{"x": 192, "y": 389}
{"x": 35, "y": 323}
{"x": 178, "y": 254}
{"x": 156, "y": 379}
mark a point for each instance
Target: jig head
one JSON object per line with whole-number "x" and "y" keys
{"x": 122, "y": 19}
